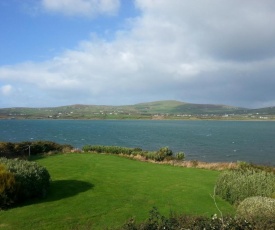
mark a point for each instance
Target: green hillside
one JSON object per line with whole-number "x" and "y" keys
{"x": 159, "y": 109}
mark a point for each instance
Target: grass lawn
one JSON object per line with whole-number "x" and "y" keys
{"x": 93, "y": 191}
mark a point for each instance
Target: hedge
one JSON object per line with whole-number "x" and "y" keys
{"x": 23, "y": 149}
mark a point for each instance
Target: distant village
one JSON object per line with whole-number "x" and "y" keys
{"x": 136, "y": 115}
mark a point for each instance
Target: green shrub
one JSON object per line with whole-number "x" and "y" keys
{"x": 256, "y": 208}
{"x": 160, "y": 155}
{"x": 22, "y": 149}
{"x": 180, "y": 156}
{"x": 32, "y": 180}
{"x": 110, "y": 149}
{"x": 6, "y": 148}
{"x": 150, "y": 155}
{"x": 234, "y": 186}
{"x": 163, "y": 153}
{"x": 7, "y": 187}
{"x": 137, "y": 149}
{"x": 156, "y": 222}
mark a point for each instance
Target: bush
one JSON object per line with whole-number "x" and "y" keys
{"x": 180, "y": 156}
{"x": 7, "y": 187}
{"x": 22, "y": 149}
{"x": 156, "y": 221}
{"x": 234, "y": 186}
{"x": 163, "y": 153}
{"x": 256, "y": 208}
{"x": 32, "y": 180}
{"x": 6, "y": 148}
{"x": 110, "y": 149}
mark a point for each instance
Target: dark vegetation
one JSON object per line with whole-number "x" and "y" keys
{"x": 156, "y": 221}
{"x": 27, "y": 148}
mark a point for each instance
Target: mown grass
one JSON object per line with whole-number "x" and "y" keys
{"x": 96, "y": 191}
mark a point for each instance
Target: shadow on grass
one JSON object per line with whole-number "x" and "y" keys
{"x": 60, "y": 189}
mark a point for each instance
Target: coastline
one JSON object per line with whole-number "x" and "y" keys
{"x": 219, "y": 166}
{"x": 209, "y": 141}
{"x": 136, "y": 119}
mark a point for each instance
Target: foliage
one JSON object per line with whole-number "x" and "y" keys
{"x": 236, "y": 185}
{"x": 32, "y": 180}
{"x": 157, "y": 221}
{"x": 23, "y": 149}
{"x": 7, "y": 187}
{"x": 256, "y": 208}
{"x": 163, "y": 153}
{"x": 242, "y": 165}
{"x": 180, "y": 156}
{"x": 109, "y": 149}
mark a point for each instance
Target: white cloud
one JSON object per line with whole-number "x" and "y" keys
{"x": 200, "y": 51}
{"x": 82, "y": 7}
{"x": 6, "y": 90}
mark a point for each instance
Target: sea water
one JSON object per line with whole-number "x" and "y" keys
{"x": 209, "y": 141}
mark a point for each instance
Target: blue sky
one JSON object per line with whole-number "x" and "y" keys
{"x": 31, "y": 33}
{"x": 119, "y": 52}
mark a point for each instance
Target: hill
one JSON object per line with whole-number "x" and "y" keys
{"x": 152, "y": 110}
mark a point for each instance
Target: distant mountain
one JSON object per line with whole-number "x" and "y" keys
{"x": 177, "y": 107}
{"x": 168, "y": 109}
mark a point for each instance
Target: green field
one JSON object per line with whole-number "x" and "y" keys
{"x": 93, "y": 191}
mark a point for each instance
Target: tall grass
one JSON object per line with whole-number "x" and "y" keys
{"x": 235, "y": 186}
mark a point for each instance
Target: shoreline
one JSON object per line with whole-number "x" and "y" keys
{"x": 217, "y": 166}
{"x": 210, "y": 141}
{"x": 133, "y": 119}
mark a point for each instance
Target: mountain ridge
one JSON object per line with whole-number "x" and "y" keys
{"x": 166, "y": 108}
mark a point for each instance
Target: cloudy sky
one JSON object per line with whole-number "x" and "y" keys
{"x": 117, "y": 52}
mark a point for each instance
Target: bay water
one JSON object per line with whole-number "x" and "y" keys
{"x": 210, "y": 141}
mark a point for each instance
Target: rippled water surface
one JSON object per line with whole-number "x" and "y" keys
{"x": 201, "y": 140}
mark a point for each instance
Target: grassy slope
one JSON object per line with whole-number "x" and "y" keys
{"x": 175, "y": 107}
{"x": 106, "y": 190}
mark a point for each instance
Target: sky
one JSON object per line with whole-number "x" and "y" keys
{"x": 122, "y": 52}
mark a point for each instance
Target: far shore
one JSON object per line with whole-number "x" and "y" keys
{"x": 136, "y": 119}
